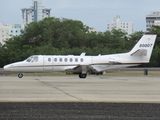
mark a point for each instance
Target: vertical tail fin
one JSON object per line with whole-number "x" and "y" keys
{"x": 143, "y": 49}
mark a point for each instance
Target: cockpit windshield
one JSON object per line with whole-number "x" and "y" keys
{"x": 32, "y": 59}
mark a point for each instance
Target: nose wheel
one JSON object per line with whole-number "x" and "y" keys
{"x": 20, "y": 75}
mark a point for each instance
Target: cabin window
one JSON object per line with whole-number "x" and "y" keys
{"x": 55, "y": 59}
{"x": 81, "y": 60}
{"x": 70, "y": 59}
{"x": 76, "y": 60}
{"x": 65, "y": 59}
{"x": 49, "y": 59}
{"x": 60, "y": 59}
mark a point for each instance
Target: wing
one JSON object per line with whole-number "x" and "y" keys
{"x": 100, "y": 68}
{"x": 77, "y": 69}
{"x": 86, "y": 68}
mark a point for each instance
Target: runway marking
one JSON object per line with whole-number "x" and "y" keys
{"x": 137, "y": 89}
{"x": 60, "y": 90}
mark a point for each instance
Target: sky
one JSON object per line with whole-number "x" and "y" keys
{"x": 95, "y": 13}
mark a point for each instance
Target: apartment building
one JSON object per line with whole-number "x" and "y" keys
{"x": 152, "y": 19}
{"x": 32, "y": 14}
{"x": 35, "y": 13}
{"x": 9, "y": 30}
{"x": 117, "y": 24}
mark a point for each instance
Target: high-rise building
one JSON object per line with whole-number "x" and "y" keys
{"x": 152, "y": 19}
{"x": 9, "y": 30}
{"x": 117, "y": 24}
{"x": 35, "y": 13}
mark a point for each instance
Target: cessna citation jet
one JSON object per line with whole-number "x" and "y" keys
{"x": 82, "y": 64}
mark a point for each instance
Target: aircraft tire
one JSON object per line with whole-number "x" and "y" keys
{"x": 82, "y": 75}
{"x": 20, "y": 75}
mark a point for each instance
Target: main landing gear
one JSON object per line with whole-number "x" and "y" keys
{"x": 20, "y": 75}
{"x": 81, "y": 75}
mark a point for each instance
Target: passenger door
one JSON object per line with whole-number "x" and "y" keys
{"x": 48, "y": 63}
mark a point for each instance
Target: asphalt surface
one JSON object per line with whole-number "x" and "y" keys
{"x": 79, "y": 111}
{"x": 133, "y": 89}
{"x": 71, "y": 98}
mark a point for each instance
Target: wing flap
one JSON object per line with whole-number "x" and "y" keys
{"x": 78, "y": 68}
{"x": 98, "y": 68}
{"x": 68, "y": 68}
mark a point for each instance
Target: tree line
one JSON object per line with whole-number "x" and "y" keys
{"x": 54, "y": 36}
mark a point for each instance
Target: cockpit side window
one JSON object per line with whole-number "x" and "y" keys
{"x": 35, "y": 59}
{"x": 32, "y": 59}
{"x": 29, "y": 59}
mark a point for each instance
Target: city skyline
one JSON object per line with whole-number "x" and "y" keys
{"x": 94, "y": 13}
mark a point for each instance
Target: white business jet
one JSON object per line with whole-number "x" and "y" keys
{"x": 82, "y": 64}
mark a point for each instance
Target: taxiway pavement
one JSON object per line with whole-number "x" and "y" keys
{"x": 126, "y": 89}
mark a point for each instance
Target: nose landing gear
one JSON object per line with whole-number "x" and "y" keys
{"x": 20, "y": 75}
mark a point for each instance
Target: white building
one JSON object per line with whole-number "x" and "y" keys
{"x": 35, "y": 13}
{"x": 92, "y": 29}
{"x": 157, "y": 22}
{"x": 117, "y": 24}
{"x": 7, "y": 31}
{"x": 152, "y": 19}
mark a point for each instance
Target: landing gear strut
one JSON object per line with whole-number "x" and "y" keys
{"x": 20, "y": 75}
{"x": 81, "y": 75}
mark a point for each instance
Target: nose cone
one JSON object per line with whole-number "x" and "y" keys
{"x": 10, "y": 67}
{"x": 7, "y": 67}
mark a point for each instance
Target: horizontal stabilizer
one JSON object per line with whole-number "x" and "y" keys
{"x": 140, "y": 52}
